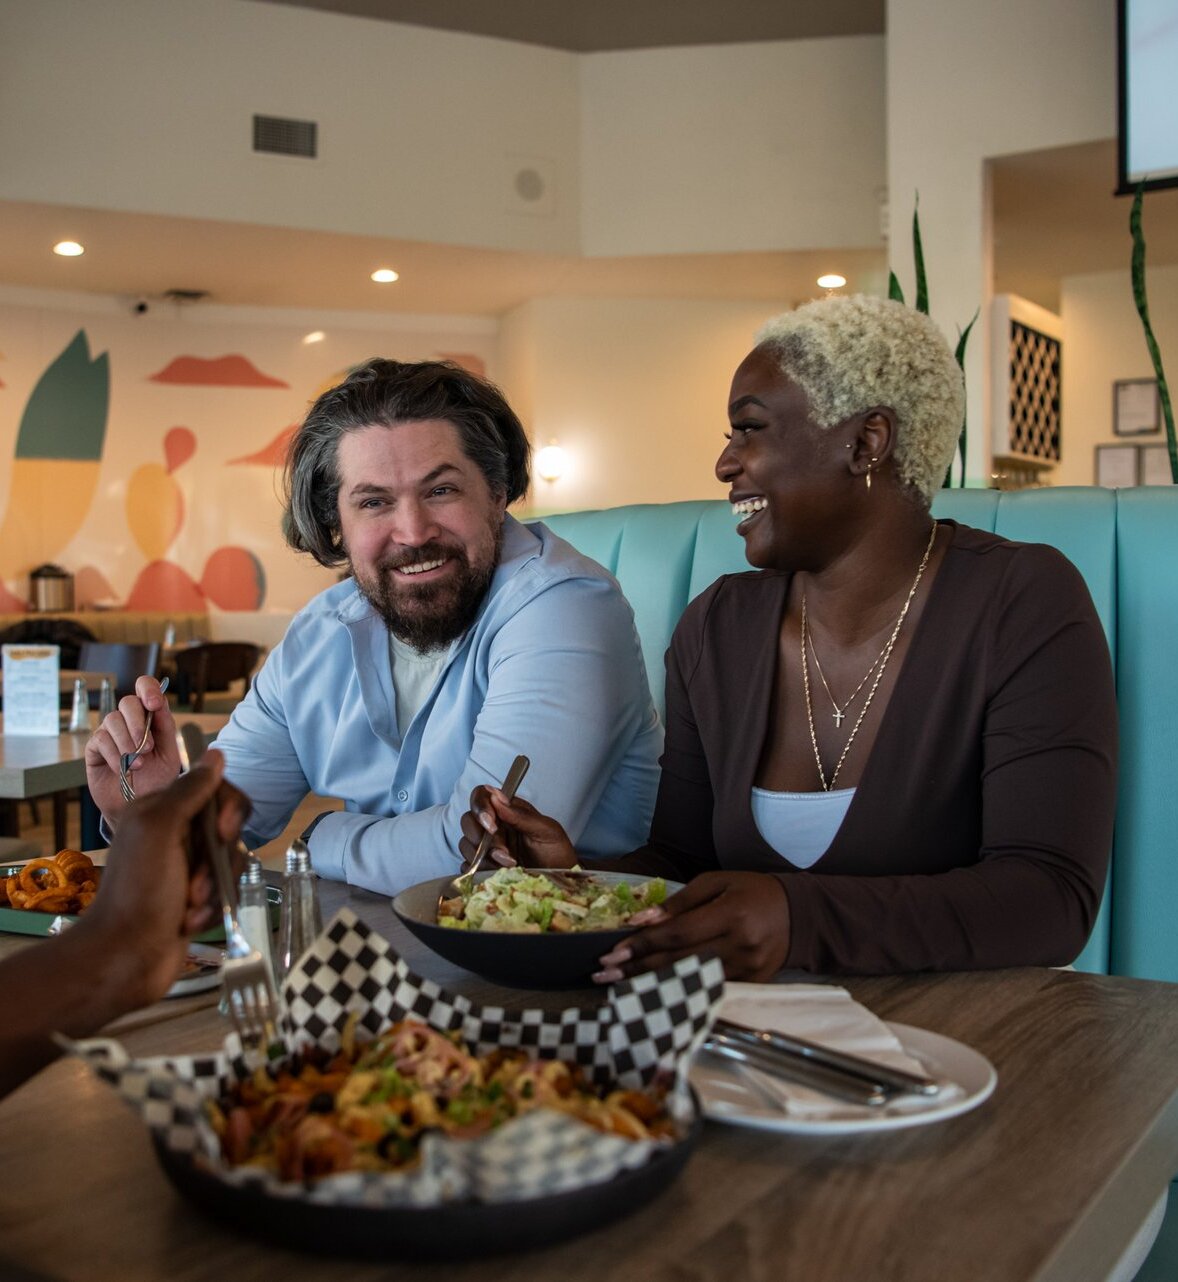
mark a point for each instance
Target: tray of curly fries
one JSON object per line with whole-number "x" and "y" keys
{"x": 404, "y": 1120}
{"x": 35, "y": 893}
{"x": 40, "y": 896}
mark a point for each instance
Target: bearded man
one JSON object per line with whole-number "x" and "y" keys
{"x": 462, "y": 638}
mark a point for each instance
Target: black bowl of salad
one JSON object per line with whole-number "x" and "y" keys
{"x": 531, "y": 928}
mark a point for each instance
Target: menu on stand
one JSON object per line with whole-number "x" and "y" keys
{"x": 31, "y": 699}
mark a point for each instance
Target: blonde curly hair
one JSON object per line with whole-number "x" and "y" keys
{"x": 849, "y": 354}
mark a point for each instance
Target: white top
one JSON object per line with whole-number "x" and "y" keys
{"x": 800, "y": 825}
{"x": 414, "y": 675}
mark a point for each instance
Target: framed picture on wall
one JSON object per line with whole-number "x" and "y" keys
{"x": 1137, "y": 409}
{"x": 1116, "y": 466}
{"x": 1155, "y": 465}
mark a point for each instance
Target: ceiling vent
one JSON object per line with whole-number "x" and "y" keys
{"x": 277, "y": 136}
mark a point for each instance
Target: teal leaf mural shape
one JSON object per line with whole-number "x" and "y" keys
{"x": 65, "y": 417}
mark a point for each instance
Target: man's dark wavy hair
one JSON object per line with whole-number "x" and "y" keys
{"x": 383, "y": 393}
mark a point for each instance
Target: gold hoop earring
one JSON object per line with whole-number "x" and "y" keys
{"x": 874, "y": 459}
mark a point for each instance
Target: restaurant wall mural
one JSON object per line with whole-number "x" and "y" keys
{"x": 145, "y": 456}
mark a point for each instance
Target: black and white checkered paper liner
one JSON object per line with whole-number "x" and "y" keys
{"x": 645, "y": 1030}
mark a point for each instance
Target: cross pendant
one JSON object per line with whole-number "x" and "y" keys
{"x": 838, "y": 718}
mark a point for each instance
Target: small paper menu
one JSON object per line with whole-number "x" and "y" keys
{"x": 31, "y": 700}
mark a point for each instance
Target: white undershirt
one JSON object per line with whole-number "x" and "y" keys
{"x": 800, "y": 825}
{"x": 414, "y": 675}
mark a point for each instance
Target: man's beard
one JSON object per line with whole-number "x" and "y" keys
{"x": 429, "y": 616}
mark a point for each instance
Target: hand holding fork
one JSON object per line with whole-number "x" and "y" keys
{"x": 126, "y": 760}
{"x": 133, "y": 751}
{"x": 247, "y": 981}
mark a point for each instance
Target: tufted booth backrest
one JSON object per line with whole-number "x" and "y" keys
{"x": 1124, "y": 543}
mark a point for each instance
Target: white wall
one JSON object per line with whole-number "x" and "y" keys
{"x": 635, "y": 391}
{"x": 967, "y": 81}
{"x": 733, "y": 147}
{"x": 147, "y": 105}
{"x": 1103, "y": 342}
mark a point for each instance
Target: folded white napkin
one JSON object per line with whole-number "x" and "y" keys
{"x": 831, "y": 1017}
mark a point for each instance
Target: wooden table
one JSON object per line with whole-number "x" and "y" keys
{"x": 1046, "y": 1181}
{"x": 53, "y": 765}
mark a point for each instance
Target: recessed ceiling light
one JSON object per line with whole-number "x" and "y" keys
{"x": 68, "y": 248}
{"x": 384, "y": 276}
{"x": 832, "y": 280}
{"x": 315, "y": 336}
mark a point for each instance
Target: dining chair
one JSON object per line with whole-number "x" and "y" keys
{"x": 214, "y": 666}
{"x": 126, "y": 661}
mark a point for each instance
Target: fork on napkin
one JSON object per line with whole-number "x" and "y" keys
{"x": 831, "y": 1017}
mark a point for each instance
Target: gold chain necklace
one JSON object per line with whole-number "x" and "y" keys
{"x": 882, "y": 661}
{"x": 840, "y": 713}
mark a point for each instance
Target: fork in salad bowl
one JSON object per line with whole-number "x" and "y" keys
{"x": 460, "y": 886}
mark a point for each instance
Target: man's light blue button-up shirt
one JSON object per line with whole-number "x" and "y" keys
{"x": 551, "y": 668}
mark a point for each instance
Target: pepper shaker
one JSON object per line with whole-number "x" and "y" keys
{"x": 301, "y": 921}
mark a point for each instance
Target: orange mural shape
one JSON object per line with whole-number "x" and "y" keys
{"x": 91, "y": 588}
{"x": 220, "y": 371}
{"x": 179, "y": 447}
{"x": 10, "y": 603}
{"x": 155, "y": 509}
{"x": 272, "y": 455}
{"x": 163, "y": 585}
{"x": 234, "y": 579}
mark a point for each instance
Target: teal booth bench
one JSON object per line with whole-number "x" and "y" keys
{"x": 1124, "y": 542}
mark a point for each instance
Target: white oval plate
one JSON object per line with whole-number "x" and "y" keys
{"x": 199, "y": 981}
{"x": 727, "y": 1096}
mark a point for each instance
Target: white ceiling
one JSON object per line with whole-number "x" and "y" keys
{"x": 1054, "y": 212}
{"x": 147, "y": 255}
{"x": 1054, "y": 216}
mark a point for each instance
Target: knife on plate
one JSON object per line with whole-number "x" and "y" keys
{"x": 853, "y": 1090}
{"x": 786, "y": 1049}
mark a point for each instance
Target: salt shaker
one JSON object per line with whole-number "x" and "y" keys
{"x": 80, "y": 709}
{"x": 106, "y": 699}
{"x": 253, "y": 913}
{"x": 301, "y": 921}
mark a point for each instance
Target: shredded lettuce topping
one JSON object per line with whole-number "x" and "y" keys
{"x": 514, "y": 900}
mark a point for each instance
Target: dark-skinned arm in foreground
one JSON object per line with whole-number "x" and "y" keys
{"x": 129, "y": 946}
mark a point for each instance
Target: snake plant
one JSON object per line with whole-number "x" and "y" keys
{"x": 896, "y": 294}
{"x": 1139, "y": 298}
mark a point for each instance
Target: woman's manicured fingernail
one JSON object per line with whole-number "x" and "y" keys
{"x": 502, "y": 857}
{"x": 610, "y": 976}
{"x": 487, "y": 819}
{"x": 619, "y": 957}
{"x": 649, "y": 916}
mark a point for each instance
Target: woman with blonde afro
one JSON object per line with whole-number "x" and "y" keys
{"x": 892, "y": 745}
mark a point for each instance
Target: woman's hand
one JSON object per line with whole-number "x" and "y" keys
{"x": 119, "y": 733}
{"x": 521, "y": 834}
{"x": 740, "y": 917}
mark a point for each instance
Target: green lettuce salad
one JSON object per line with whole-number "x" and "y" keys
{"x": 514, "y": 900}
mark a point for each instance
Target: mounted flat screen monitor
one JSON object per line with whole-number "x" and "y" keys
{"x": 1148, "y": 118}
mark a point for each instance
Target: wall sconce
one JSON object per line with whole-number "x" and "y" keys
{"x": 551, "y": 462}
